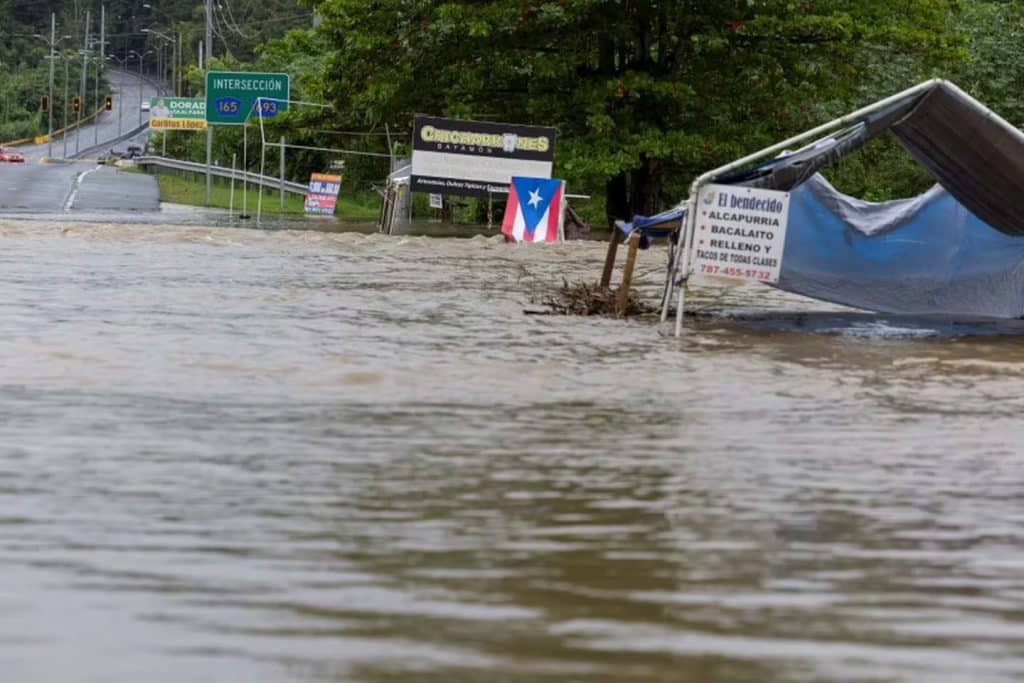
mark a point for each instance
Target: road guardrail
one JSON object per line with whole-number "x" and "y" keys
{"x": 221, "y": 172}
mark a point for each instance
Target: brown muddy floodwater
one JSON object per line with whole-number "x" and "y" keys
{"x": 234, "y": 455}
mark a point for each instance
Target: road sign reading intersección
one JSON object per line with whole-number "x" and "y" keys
{"x": 231, "y": 96}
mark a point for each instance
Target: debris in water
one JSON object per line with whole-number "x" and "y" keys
{"x": 589, "y": 299}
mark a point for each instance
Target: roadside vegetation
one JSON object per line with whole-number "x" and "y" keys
{"x": 191, "y": 189}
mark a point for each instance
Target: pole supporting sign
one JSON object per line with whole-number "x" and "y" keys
{"x": 477, "y": 158}
{"x": 231, "y": 96}
{"x": 740, "y": 233}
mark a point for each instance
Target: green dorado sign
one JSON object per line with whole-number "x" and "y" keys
{"x": 232, "y": 96}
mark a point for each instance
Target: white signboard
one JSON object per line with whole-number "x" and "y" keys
{"x": 740, "y": 233}
{"x": 477, "y": 158}
{"x": 436, "y": 201}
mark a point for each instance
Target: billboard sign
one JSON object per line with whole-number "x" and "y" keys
{"x": 177, "y": 113}
{"x": 477, "y": 158}
{"x": 740, "y": 233}
{"x": 322, "y": 195}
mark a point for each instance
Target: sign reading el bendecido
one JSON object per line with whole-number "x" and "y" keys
{"x": 231, "y": 96}
{"x": 177, "y": 113}
{"x": 476, "y": 158}
{"x": 740, "y": 233}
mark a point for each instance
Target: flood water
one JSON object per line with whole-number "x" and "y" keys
{"x": 241, "y": 455}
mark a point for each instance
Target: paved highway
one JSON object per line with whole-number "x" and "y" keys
{"x": 129, "y": 92}
{"x": 50, "y": 187}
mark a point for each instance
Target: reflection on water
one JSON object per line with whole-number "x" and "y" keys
{"x": 295, "y": 455}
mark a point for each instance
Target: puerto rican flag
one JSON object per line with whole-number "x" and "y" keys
{"x": 534, "y": 210}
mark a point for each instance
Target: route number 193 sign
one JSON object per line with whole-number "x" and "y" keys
{"x": 740, "y": 233}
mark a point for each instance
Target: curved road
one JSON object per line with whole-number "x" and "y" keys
{"x": 56, "y": 186}
{"x": 129, "y": 92}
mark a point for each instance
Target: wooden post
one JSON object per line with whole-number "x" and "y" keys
{"x": 627, "y": 274}
{"x": 609, "y": 260}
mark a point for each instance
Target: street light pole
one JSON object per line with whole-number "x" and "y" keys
{"x": 209, "y": 127}
{"x": 99, "y": 67}
{"x": 64, "y": 135}
{"x": 53, "y": 40}
{"x": 141, "y": 58}
{"x": 168, "y": 40}
{"x": 82, "y": 98}
{"x": 120, "y": 91}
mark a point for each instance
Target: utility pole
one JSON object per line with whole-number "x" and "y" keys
{"x": 82, "y": 98}
{"x": 53, "y": 39}
{"x": 100, "y": 63}
{"x": 141, "y": 58}
{"x": 209, "y": 127}
{"x": 177, "y": 79}
{"x": 64, "y": 135}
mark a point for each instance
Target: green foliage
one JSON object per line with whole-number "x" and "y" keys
{"x": 645, "y": 94}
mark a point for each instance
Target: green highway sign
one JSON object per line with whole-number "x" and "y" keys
{"x": 232, "y": 96}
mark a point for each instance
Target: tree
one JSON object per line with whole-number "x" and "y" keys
{"x": 645, "y": 93}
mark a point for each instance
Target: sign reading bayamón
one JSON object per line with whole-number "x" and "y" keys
{"x": 476, "y": 158}
{"x": 231, "y": 96}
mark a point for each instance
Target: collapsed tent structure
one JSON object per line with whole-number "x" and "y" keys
{"x": 957, "y": 249}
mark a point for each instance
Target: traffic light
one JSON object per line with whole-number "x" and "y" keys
{"x": 44, "y": 103}
{"x": 108, "y": 103}
{"x": 76, "y": 104}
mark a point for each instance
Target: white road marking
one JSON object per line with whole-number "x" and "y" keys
{"x": 74, "y": 190}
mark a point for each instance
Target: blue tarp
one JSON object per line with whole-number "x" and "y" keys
{"x": 926, "y": 255}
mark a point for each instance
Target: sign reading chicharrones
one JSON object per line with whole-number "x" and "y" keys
{"x": 740, "y": 233}
{"x": 477, "y": 158}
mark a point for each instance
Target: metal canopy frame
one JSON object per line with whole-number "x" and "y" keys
{"x": 680, "y": 265}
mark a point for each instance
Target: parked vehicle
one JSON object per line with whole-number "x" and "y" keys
{"x": 10, "y": 156}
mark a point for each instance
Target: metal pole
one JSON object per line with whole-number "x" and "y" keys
{"x": 259, "y": 203}
{"x": 53, "y": 39}
{"x": 120, "y": 107}
{"x": 281, "y": 198}
{"x": 209, "y": 128}
{"x": 178, "y": 49}
{"x": 99, "y": 67}
{"x": 66, "y": 79}
{"x": 231, "y": 200}
{"x": 245, "y": 168}
{"x": 141, "y": 57}
{"x": 82, "y": 98}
